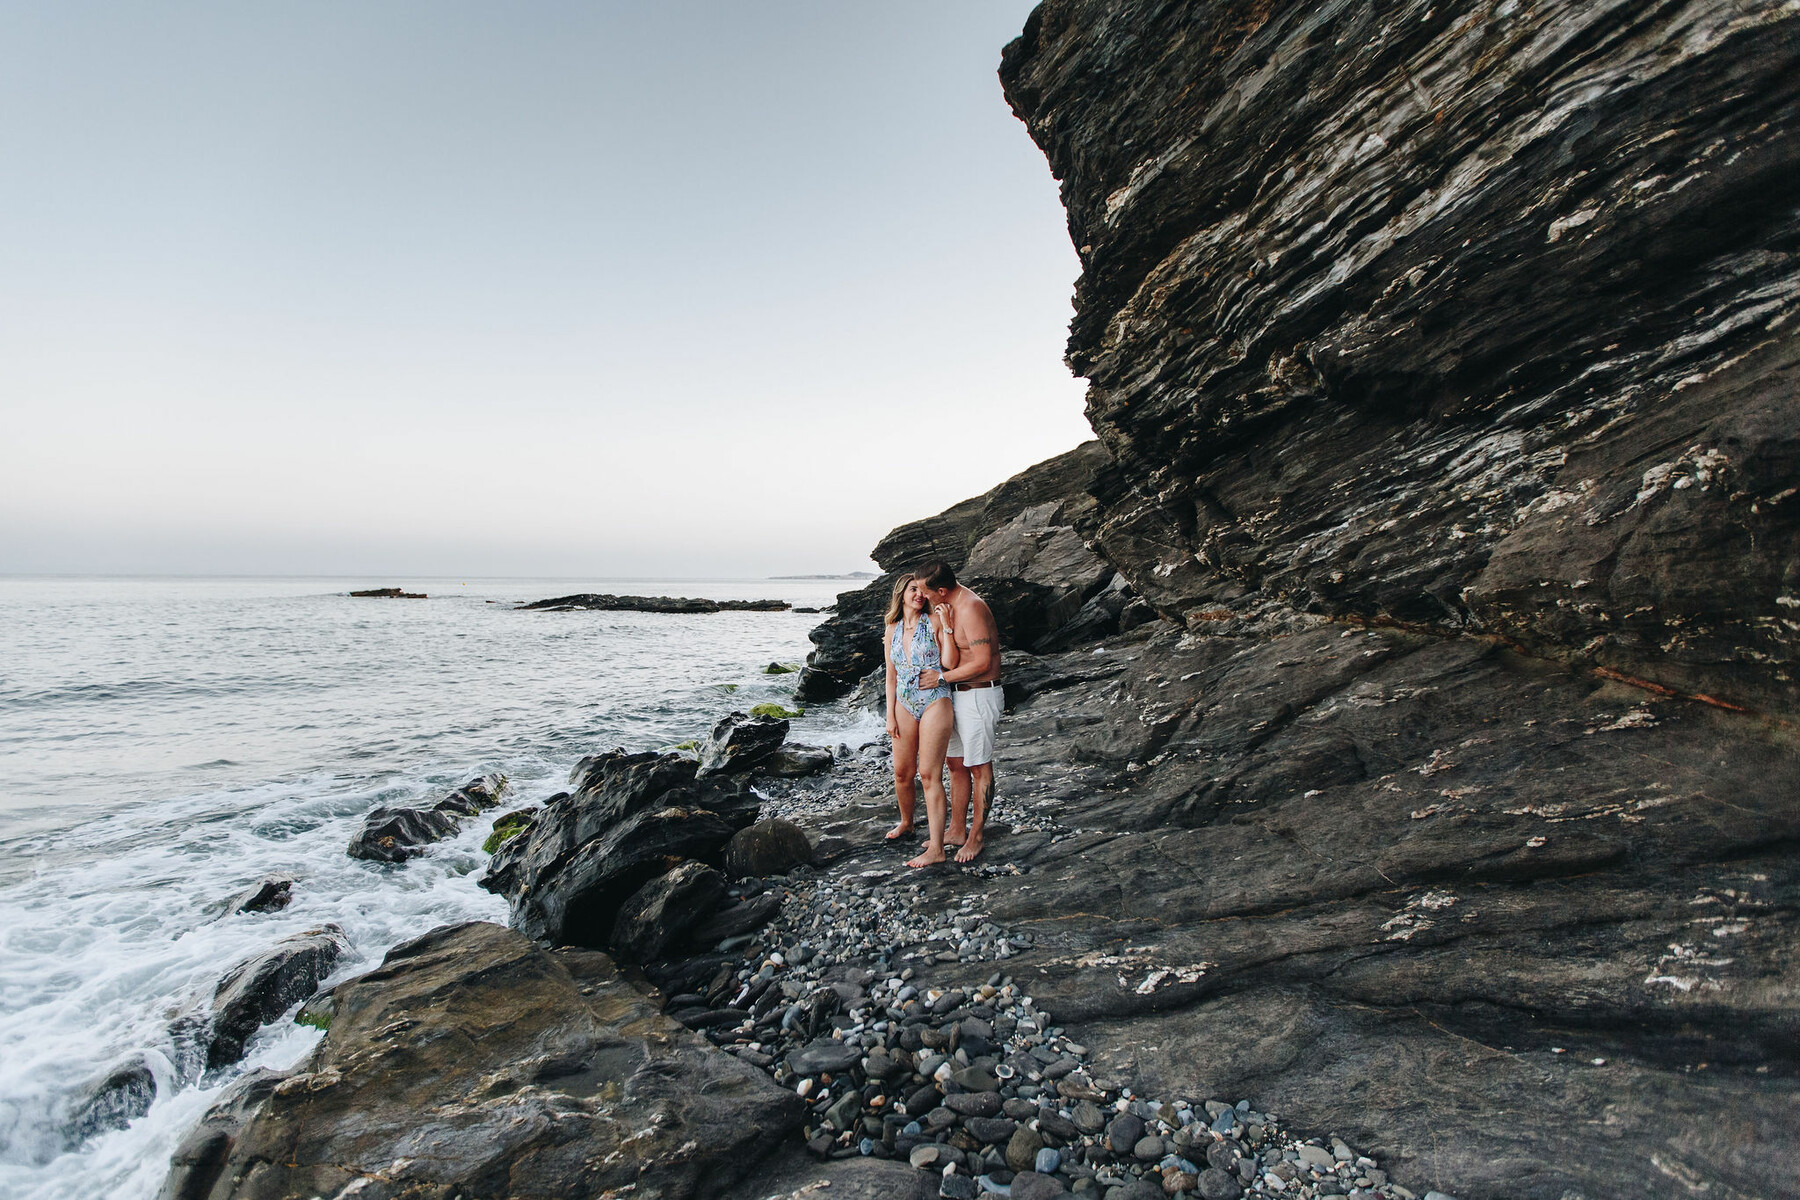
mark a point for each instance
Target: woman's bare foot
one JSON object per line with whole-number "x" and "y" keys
{"x": 926, "y": 859}
{"x": 900, "y": 830}
{"x": 971, "y": 849}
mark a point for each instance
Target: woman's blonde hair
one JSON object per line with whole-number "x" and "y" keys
{"x": 897, "y": 602}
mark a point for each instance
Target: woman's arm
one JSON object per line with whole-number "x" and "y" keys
{"x": 948, "y": 654}
{"x": 887, "y": 657}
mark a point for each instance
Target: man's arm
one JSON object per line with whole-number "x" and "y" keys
{"x": 979, "y": 657}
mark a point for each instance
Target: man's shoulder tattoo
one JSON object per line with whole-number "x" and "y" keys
{"x": 982, "y": 642}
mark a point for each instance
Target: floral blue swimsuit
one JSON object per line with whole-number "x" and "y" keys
{"x": 924, "y": 658}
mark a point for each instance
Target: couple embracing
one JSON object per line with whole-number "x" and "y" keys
{"x": 943, "y": 701}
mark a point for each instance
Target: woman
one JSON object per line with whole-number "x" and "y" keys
{"x": 919, "y": 720}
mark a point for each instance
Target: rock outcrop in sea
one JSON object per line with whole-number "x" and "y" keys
{"x": 1400, "y": 784}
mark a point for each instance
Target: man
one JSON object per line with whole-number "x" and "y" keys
{"x": 977, "y": 700}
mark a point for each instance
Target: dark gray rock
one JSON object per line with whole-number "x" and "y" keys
{"x": 665, "y": 909}
{"x": 990, "y": 1131}
{"x": 974, "y": 1104}
{"x": 737, "y": 918}
{"x": 395, "y": 834}
{"x": 197, "y": 1167}
{"x": 112, "y": 1101}
{"x": 793, "y": 761}
{"x": 1215, "y": 1184}
{"x": 822, "y": 1055}
{"x": 271, "y": 893}
{"x": 1022, "y": 1148}
{"x": 1123, "y": 1132}
{"x": 615, "y": 785}
{"x": 568, "y": 889}
{"x": 740, "y": 743}
{"x": 262, "y": 987}
{"x": 490, "y": 1043}
{"x": 1029, "y": 1185}
{"x": 567, "y": 876}
{"x": 772, "y": 847}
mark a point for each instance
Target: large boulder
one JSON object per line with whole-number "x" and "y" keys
{"x": 772, "y": 847}
{"x": 740, "y": 743}
{"x": 569, "y": 874}
{"x": 475, "y": 1063}
{"x": 395, "y": 834}
{"x": 664, "y": 909}
{"x": 264, "y": 986}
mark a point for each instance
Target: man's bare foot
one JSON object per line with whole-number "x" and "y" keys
{"x": 926, "y": 859}
{"x": 970, "y": 850}
{"x": 900, "y": 830}
{"x": 956, "y": 835}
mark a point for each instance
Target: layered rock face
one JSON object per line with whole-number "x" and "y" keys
{"x": 1475, "y": 317}
{"x": 1446, "y": 360}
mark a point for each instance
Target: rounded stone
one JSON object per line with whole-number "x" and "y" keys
{"x": 772, "y": 847}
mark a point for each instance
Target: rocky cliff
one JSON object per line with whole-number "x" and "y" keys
{"x": 1474, "y": 317}
{"x": 1446, "y": 359}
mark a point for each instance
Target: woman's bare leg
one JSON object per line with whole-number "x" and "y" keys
{"x": 906, "y": 765}
{"x": 932, "y": 739}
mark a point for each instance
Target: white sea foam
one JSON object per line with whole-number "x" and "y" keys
{"x": 123, "y": 841}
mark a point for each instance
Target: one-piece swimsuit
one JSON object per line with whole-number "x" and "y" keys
{"x": 924, "y": 657}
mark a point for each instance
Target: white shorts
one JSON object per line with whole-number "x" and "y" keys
{"x": 977, "y": 712}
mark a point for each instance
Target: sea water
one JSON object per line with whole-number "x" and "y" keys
{"x": 163, "y": 743}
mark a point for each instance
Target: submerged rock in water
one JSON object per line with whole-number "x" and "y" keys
{"x": 262, "y": 987}
{"x": 739, "y": 743}
{"x": 395, "y": 834}
{"x": 271, "y": 893}
{"x": 112, "y": 1101}
{"x": 475, "y": 1063}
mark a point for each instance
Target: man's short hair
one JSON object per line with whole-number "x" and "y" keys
{"x": 937, "y": 575}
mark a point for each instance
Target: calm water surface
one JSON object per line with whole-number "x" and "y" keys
{"x": 165, "y": 742}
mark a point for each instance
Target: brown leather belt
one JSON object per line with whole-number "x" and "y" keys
{"x": 969, "y": 687}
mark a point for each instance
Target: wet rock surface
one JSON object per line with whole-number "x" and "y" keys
{"x": 111, "y": 1101}
{"x": 271, "y": 893}
{"x": 262, "y": 987}
{"x": 740, "y": 743}
{"x": 395, "y": 834}
{"x": 475, "y": 1063}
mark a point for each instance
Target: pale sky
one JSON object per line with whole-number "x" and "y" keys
{"x": 646, "y": 288}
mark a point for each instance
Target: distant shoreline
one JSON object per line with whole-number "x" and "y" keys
{"x": 847, "y": 575}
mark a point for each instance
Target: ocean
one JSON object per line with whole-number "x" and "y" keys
{"x": 165, "y": 742}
